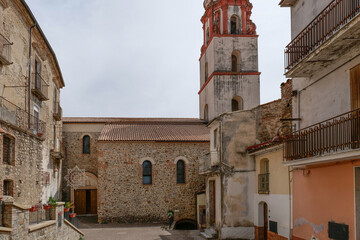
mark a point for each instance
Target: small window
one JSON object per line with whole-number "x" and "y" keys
{"x": 237, "y": 104}
{"x": 36, "y": 123}
{"x": 234, "y": 24}
{"x": 8, "y": 188}
{"x": 147, "y": 173}
{"x": 236, "y": 61}
{"x": 207, "y": 37}
{"x": 233, "y": 63}
{"x": 215, "y": 138}
{"x": 180, "y": 171}
{"x": 206, "y": 113}
{"x": 37, "y": 74}
{"x": 86, "y": 144}
{"x": 264, "y": 177}
{"x": 8, "y": 150}
{"x": 206, "y": 72}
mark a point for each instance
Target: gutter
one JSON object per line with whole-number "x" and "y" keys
{"x": 45, "y": 39}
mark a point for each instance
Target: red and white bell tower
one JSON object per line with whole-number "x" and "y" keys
{"x": 229, "y": 77}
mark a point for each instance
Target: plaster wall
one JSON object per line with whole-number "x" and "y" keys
{"x": 328, "y": 89}
{"x": 324, "y": 194}
{"x": 303, "y": 12}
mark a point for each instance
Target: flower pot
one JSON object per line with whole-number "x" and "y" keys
{"x": 46, "y": 207}
{"x": 66, "y": 209}
{"x": 39, "y": 134}
{"x": 33, "y": 209}
{"x": 72, "y": 215}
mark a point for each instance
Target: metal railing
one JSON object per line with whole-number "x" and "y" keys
{"x": 14, "y": 115}
{"x": 5, "y": 50}
{"x": 336, "y": 134}
{"x": 39, "y": 87}
{"x": 331, "y": 19}
{"x": 57, "y": 112}
{"x": 40, "y": 213}
{"x": 263, "y": 183}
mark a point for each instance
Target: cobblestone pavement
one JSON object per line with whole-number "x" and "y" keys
{"x": 112, "y": 231}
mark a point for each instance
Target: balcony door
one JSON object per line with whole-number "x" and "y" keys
{"x": 355, "y": 87}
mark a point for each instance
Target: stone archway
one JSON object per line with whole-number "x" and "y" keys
{"x": 85, "y": 198}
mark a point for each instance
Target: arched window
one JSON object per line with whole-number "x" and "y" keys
{"x": 234, "y": 24}
{"x": 237, "y": 104}
{"x": 147, "y": 173}
{"x": 206, "y": 72}
{"x": 86, "y": 144}
{"x": 206, "y": 113}
{"x": 235, "y": 61}
{"x": 180, "y": 171}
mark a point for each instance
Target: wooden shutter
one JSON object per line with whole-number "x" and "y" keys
{"x": 355, "y": 87}
{"x": 7, "y": 150}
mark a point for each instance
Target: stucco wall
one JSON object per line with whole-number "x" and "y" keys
{"x": 124, "y": 198}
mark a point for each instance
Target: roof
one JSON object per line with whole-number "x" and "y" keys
{"x": 132, "y": 120}
{"x": 156, "y": 130}
{"x": 262, "y": 146}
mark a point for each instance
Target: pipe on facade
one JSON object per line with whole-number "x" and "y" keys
{"x": 29, "y": 76}
{"x": 221, "y": 179}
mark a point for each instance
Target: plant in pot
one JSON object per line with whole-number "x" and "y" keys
{"x": 68, "y": 206}
{"x": 46, "y": 207}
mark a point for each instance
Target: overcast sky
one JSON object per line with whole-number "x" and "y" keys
{"x": 127, "y": 58}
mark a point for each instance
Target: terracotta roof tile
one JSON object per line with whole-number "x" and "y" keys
{"x": 156, "y": 131}
{"x": 131, "y": 120}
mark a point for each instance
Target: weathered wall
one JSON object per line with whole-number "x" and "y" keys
{"x": 315, "y": 203}
{"x": 124, "y": 198}
{"x": 16, "y": 23}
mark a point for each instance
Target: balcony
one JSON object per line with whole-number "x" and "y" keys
{"x": 57, "y": 112}
{"x": 5, "y": 51}
{"x": 18, "y": 118}
{"x": 263, "y": 181}
{"x": 333, "y": 34}
{"x": 58, "y": 152}
{"x": 39, "y": 87}
{"x": 337, "y": 135}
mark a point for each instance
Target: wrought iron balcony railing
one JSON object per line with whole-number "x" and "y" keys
{"x": 57, "y": 112}
{"x": 40, "y": 87}
{"x": 336, "y": 134}
{"x": 14, "y": 115}
{"x": 330, "y": 20}
{"x": 5, "y": 50}
{"x": 263, "y": 182}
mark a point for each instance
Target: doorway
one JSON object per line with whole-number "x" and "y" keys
{"x": 263, "y": 221}
{"x": 212, "y": 203}
{"x": 85, "y": 202}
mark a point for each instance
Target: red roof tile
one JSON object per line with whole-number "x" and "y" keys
{"x": 131, "y": 120}
{"x": 156, "y": 131}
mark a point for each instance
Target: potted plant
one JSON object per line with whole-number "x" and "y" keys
{"x": 68, "y": 206}
{"x": 46, "y": 207}
{"x": 52, "y": 202}
{"x": 72, "y": 215}
{"x": 33, "y": 209}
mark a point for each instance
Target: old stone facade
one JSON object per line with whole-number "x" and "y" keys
{"x": 114, "y": 166}
{"x": 30, "y": 112}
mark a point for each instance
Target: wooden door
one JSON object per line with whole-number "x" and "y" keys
{"x": 212, "y": 196}
{"x": 266, "y": 221}
{"x": 80, "y": 202}
{"x": 355, "y": 87}
{"x": 93, "y": 202}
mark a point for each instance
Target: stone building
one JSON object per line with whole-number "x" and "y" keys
{"x": 30, "y": 112}
{"x": 137, "y": 169}
{"x": 324, "y": 151}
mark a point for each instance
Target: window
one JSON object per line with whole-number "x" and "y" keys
{"x": 206, "y": 113}
{"x": 37, "y": 75}
{"x": 206, "y": 72}
{"x": 264, "y": 177}
{"x": 180, "y": 171}
{"x": 36, "y": 120}
{"x": 215, "y": 138}
{"x": 237, "y": 104}
{"x": 235, "y": 61}
{"x": 234, "y": 24}
{"x": 207, "y": 36}
{"x": 8, "y": 188}
{"x": 147, "y": 173}
{"x": 8, "y": 150}
{"x": 86, "y": 144}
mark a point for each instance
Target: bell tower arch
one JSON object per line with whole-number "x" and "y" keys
{"x": 229, "y": 58}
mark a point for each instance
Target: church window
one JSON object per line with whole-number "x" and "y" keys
{"x": 206, "y": 72}
{"x": 86, "y": 144}
{"x": 147, "y": 173}
{"x": 234, "y": 24}
{"x": 206, "y": 113}
{"x": 237, "y": 104}
{"x": 180, "y": 171}
{"x": 235, "y": 61}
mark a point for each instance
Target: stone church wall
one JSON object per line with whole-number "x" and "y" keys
{"x": 124, "y": 198}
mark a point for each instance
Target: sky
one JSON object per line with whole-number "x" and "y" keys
{"x": 125, "y": 58}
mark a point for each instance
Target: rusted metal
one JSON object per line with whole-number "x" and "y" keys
{"x": 331, "y": 19}
{"x": 336, "y": 134}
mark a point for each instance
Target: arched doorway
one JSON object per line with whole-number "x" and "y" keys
{"x": 263, "y": 221}
{"x": 85, "y": 198}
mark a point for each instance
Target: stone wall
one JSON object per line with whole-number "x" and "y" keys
{"x": 26, "y": 172}
{"x": 124, "y": 198}
{"x": 17, "y": 225}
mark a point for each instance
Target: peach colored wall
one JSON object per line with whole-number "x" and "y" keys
{"x": 326, "y": 194}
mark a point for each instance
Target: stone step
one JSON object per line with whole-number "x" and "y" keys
{"x": 211, "y": 232}
{"x": 206, "y": 236}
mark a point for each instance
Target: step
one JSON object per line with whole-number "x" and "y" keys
{"x": 206, "y": 236}
{"x": 210, "y": 231}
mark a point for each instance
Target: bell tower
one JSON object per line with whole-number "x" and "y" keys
{"x": 229, "y": 76}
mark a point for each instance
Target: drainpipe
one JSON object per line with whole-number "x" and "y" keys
{"x": 221, "y": 179}
{"x": 29, "y": 76}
